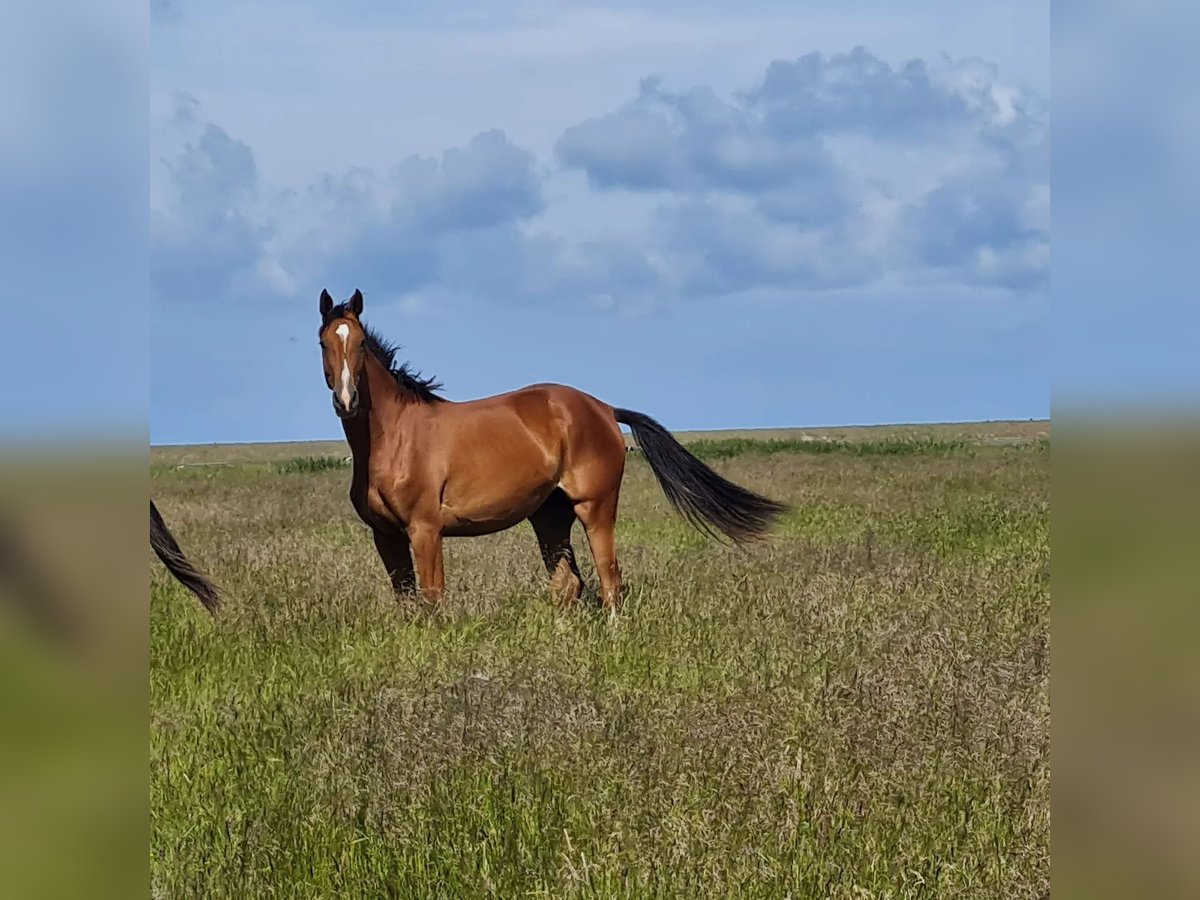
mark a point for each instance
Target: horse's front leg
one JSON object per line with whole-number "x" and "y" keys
{"x": 393, "y": 549}
{"x": 426, "y": 540}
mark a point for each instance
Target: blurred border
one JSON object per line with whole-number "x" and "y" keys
{"x": 73, "y": 437}
{"x": 1126, "y": 459}
{"x": 73, "y": 625}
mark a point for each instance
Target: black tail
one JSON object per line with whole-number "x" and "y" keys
{"x": 172, "y": 557}
{"x": 698, "y": 493}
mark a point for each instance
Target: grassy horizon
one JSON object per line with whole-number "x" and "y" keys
{"x": 998, "y": 430}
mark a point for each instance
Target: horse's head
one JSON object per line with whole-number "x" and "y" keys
{"x": 343, "y": 350}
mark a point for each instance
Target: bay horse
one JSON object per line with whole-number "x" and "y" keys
{"x": 167, "y": 549}
{"x": 425, "y": 468}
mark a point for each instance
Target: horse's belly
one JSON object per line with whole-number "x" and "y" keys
{"x": 500, "y": 470}
{"x": 469, "y": 528}
{"x": 486, "y": 513}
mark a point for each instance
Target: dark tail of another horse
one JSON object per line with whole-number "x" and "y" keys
{"x": 179, "y": 565}
{"x": 699, "y": 494}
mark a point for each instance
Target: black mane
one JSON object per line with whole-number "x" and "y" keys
{"x": 424, "y": 389}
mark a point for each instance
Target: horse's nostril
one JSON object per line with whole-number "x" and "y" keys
{"x": 341, "y": 408}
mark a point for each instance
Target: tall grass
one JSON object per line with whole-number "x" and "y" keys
{"x": 734, "y": 447}
{"x": 859, "y": 708}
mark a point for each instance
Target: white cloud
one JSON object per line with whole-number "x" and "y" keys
{"x": 844, "y": 165}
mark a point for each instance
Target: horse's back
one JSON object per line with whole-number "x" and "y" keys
{"x": 582, "y": 415}
{"x": 544, "y": 399}
{"x": 567, "y": 423}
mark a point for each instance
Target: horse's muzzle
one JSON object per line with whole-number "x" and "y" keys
{"x": 343, "y": 411}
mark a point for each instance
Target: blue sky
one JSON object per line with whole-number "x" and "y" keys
{"x": 765, "y": 214}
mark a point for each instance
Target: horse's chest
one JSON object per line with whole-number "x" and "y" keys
{"x": 371, "y": 504}
{"x": 386, "y": 498}
{"x": 379, "y": 509}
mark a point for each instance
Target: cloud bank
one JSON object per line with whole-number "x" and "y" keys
{"x": 829, "y": 172}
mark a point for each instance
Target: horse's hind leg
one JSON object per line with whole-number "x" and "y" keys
{"x": 599, "y": 518}
{"x": 552, "y": 524}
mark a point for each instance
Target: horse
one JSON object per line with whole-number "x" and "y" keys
{"x": 167, "y": 549}
{"x": 426, "y": 468}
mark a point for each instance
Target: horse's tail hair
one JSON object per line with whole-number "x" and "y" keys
{"x": 178, "y": 564}
{"x": 707, "y": 500}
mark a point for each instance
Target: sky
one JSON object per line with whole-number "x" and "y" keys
{"x": 756, "y": 215}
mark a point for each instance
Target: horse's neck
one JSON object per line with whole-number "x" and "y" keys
{"x": 358, "y": 436}
{"x": 384, "y": 419}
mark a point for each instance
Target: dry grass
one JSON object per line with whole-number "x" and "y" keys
{"x": 858, "y": 709}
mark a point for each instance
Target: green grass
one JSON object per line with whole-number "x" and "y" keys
{"x": 733, "y": 447}
{"x": 306, "y": 465}
{"x": 858, "y": 708}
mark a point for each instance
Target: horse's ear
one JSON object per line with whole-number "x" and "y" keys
{"x": 356, "y": 302}
{"x": 326, "y": 303}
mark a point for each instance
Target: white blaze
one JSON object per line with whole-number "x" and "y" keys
{"x": 343, "y": 331}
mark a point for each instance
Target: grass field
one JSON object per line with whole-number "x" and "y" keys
{"x": 858, "y": 709}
